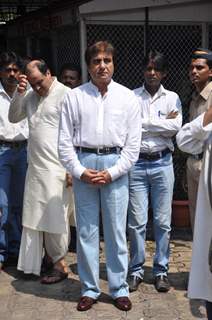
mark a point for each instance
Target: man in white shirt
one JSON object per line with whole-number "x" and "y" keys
{"x": 70, "y": 75}
{"x": 196, "y": 137}
{"x": 152, "y": 176}
{"x": 99, "y": 141}
{"x": 13, "y": 162}
{"x": 46, "y": 198}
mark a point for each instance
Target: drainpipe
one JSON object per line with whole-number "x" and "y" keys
{"x": 146, "y": 31}
{"x": 83, "y": 45}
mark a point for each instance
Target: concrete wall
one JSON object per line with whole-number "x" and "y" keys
{"x": 193, "y": 11}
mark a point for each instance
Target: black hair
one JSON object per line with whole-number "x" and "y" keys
{"x": 100, "y": 46}
{"x": 72, "y": 67}
{"x": 158, "y": 59}
{"x": 203, "y": 53}
{"x": 10, "y": 57}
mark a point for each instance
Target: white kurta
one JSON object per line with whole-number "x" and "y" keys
{"x": 193, "y": 138}
{"x": 46, "y": 197}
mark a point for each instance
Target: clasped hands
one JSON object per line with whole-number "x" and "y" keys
{"x": 96, "y": 177}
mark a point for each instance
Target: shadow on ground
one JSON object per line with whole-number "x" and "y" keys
{"x": 67, "y": 290}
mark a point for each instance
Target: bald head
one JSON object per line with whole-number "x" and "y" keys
{"x": 39, "y": 76}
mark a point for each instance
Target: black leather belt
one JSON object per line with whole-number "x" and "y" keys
{"x": 197, "y": 156}
{"x": 100, "y": 151}
{"x": 154, "y": 155}
{"x": 13, "y": 144}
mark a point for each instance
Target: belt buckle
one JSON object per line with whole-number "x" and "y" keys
{"x": 100, "y": 151}
{"x": 148, "y": 156}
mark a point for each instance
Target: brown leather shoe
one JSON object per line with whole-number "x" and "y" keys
{"x": 123, "y": 303}
{"x": 85, "y": 303}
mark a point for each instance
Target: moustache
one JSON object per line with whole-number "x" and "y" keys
{"x": 12, "y": 80}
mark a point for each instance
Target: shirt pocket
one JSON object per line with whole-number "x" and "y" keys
{"x": 117, "y": 122}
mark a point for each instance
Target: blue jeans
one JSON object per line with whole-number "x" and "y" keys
{"x": 112, "y": 200}
{"x": 13, "y": 165}
{"x": 152, "y": 180}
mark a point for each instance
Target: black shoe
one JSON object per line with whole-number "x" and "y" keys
{"x": 162, "y": 283}
{"x": 133, "y": 282}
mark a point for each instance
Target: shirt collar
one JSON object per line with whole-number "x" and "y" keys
{"x": 2, "y": 91}
{"x": 161, "y": 91}
{"x": 206, "y": 91}
{"x": 96, "y": 90}
{"x": 54, "y": 83}
{"x": 2, "y": 88}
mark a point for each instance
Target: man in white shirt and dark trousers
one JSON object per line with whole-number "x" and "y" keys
{"x": 13, "y": 162}
{"x": 99, "y": 141}
{"x": 152, "y": 177}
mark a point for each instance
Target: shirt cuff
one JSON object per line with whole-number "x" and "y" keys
{"x": 114, "y": 172}
{"x": 78, "y": 171}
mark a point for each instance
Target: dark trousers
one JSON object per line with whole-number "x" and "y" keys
{"x": 209, "y": 309}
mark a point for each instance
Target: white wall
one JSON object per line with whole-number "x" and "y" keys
{"x": 197, "y": 11}
{"x": 111, "y": 5}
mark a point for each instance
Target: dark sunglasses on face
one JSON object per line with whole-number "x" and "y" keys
{"x": 9, "y": 70}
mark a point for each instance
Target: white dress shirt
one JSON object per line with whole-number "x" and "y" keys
{"x": 90, "y": 120}
{"x": 157, "y": 131}
{"x": 10, "y": 131}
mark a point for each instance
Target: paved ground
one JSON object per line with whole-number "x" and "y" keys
{"x": 22, "y": 299}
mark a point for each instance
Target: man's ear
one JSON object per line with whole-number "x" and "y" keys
{"x": 210, "y": 73}
{"x": 48, "y": 73}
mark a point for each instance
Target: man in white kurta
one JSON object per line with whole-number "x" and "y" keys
{"x": 195, "y": 137}
{"x": 45, "y": 221}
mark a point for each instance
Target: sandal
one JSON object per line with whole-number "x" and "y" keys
{"x": 54, "y": 276}
{"x": 46, "y": 266}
